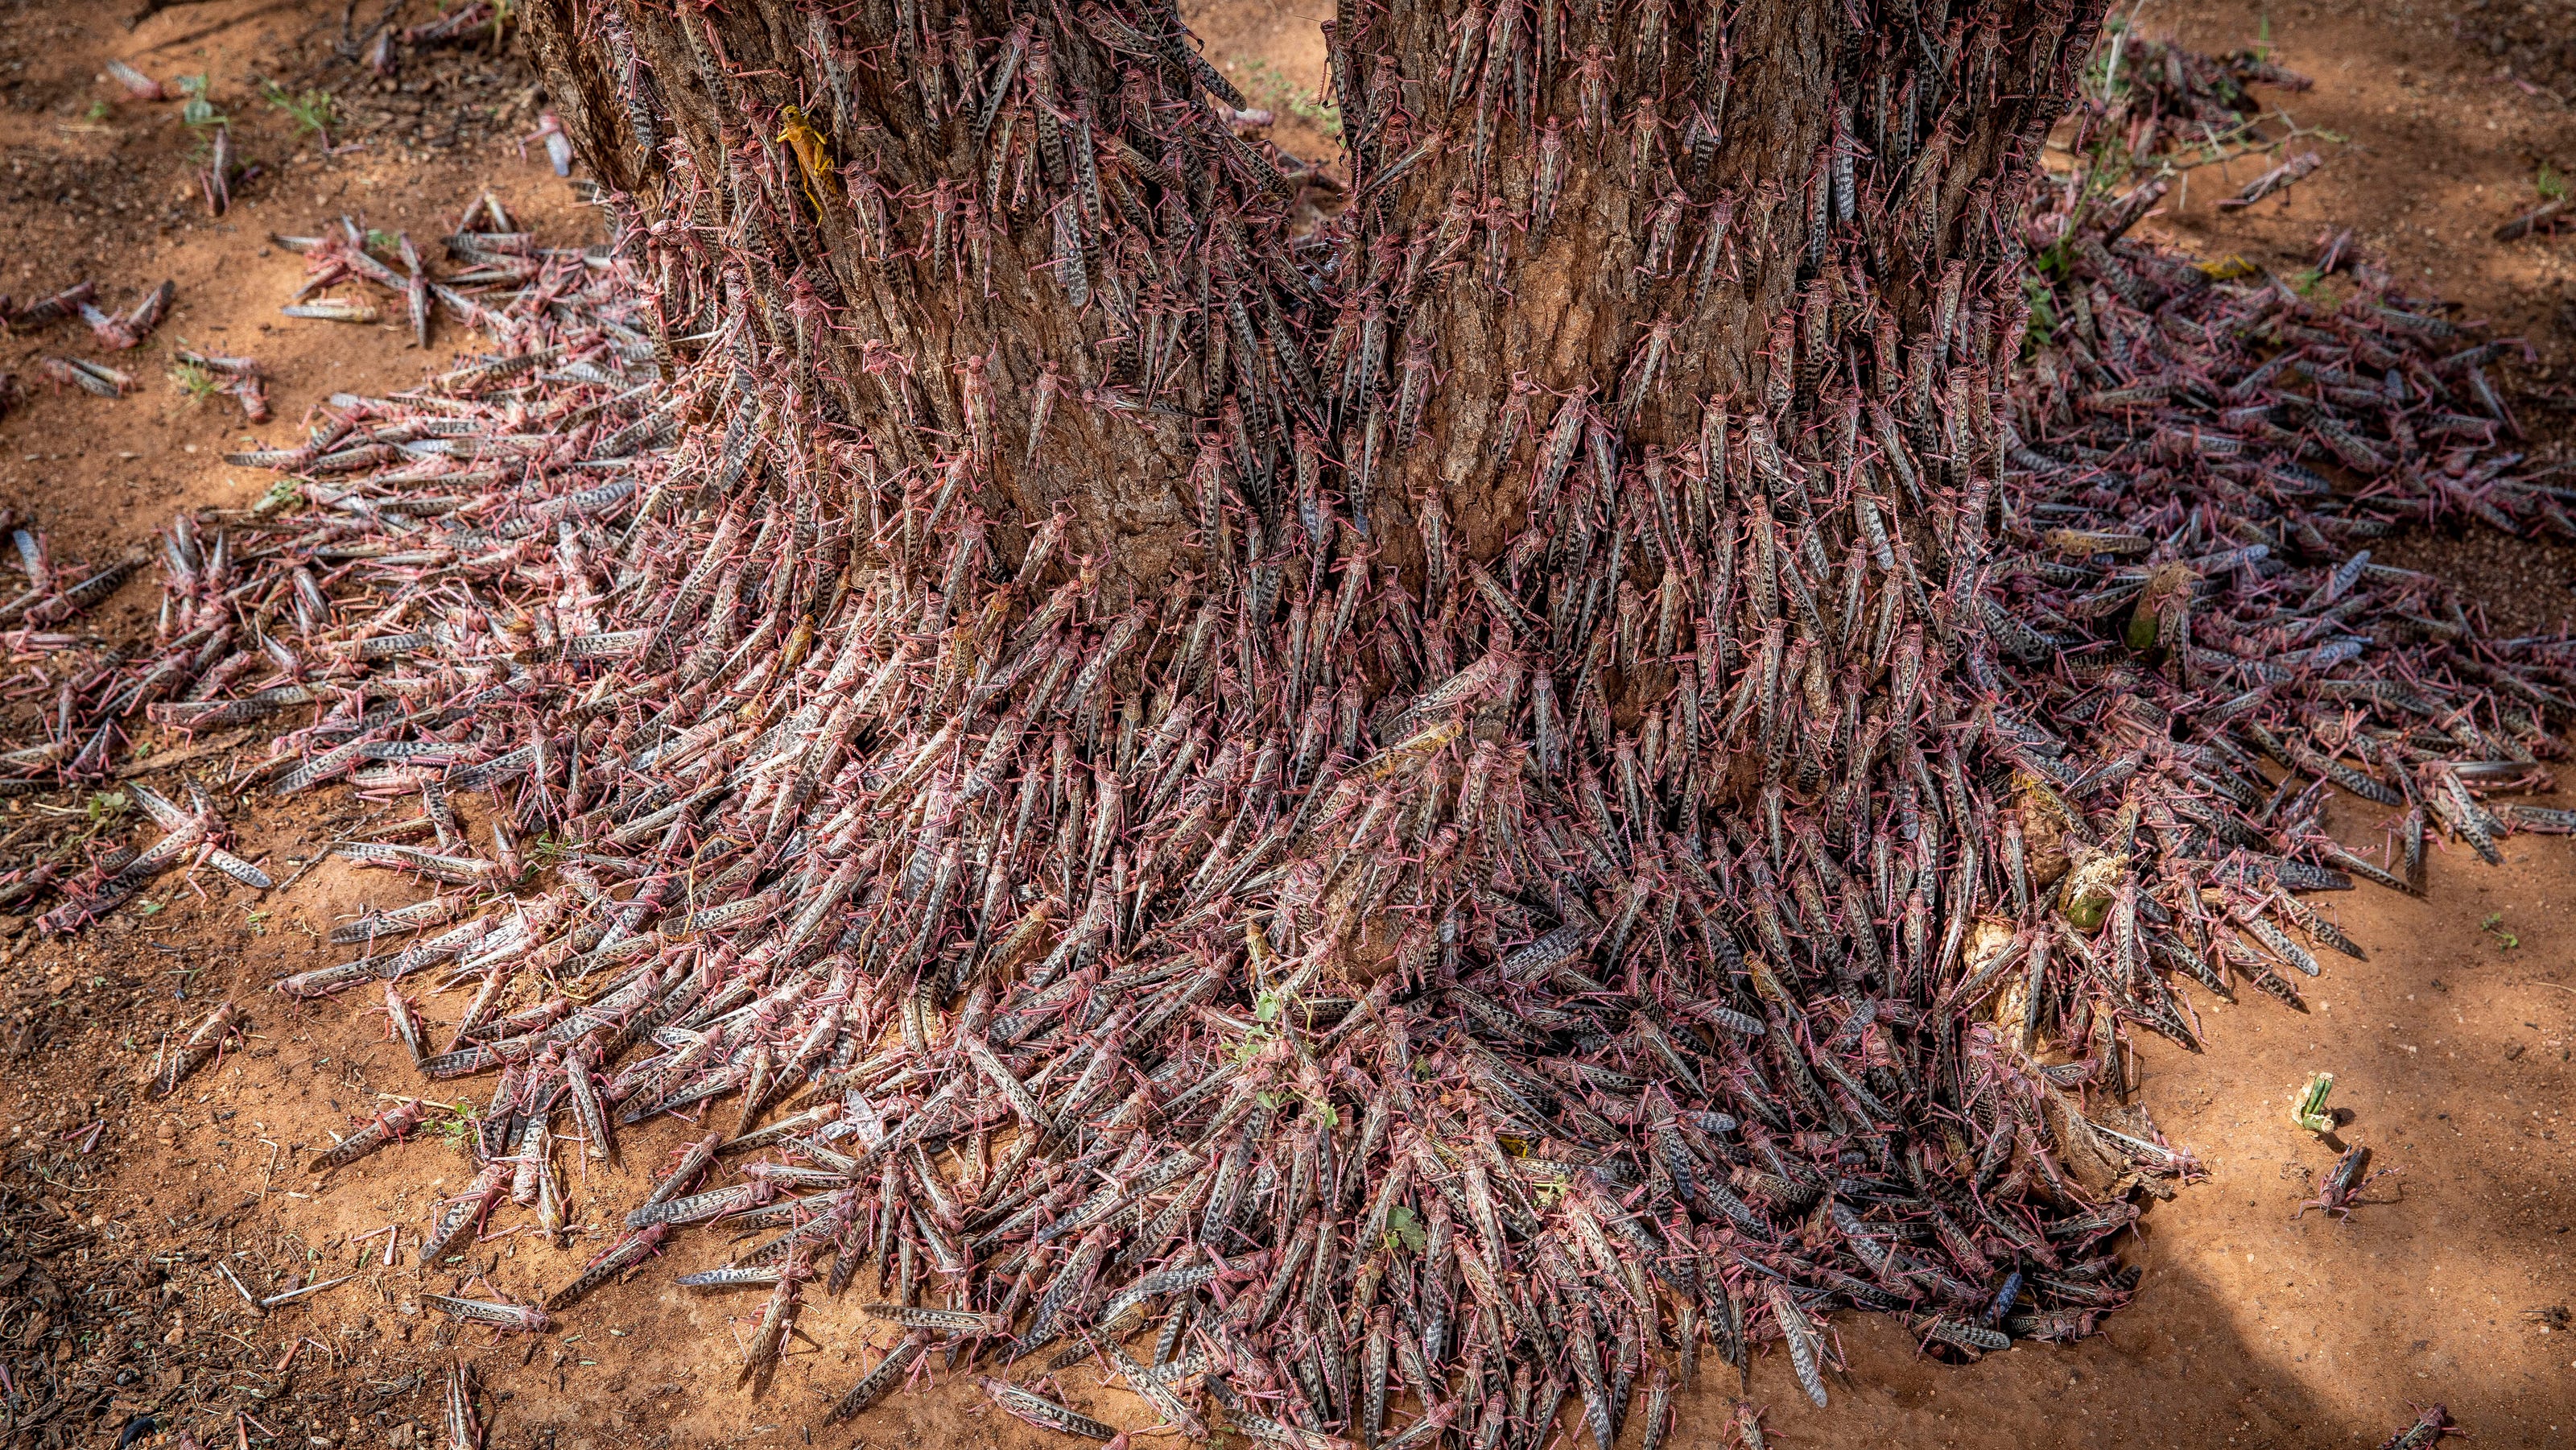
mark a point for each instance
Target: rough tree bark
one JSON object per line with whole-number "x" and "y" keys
{"x": 1036, "y": 218}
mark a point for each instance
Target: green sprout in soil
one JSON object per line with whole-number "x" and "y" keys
{"x": 312, "y": 111}
{"x": 194, "y": 381}
{"x": 2494, "y": 927}
{"x": 456, "y": 1129}
{"x": 199, "y": 114}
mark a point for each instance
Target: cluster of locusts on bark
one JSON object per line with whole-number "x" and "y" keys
{"x": 1363, "y": 989}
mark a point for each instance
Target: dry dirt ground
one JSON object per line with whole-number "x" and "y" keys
{"x": 120, "y": 1219}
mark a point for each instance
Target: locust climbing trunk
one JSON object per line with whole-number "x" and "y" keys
{"x": 1023, "y": 243}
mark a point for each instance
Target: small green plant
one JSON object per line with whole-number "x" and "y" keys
{"x": 198, "y": 113}
{"x": 1402, "y": 1227}
{"x": 455, "y": 1129}
{"x": 194, "y": 381}
{"x": 98, "y": 110}
{"x": 284, "y": 494}
{"x": 312, "y": 111}
{"x": 2308, "y": 1104}
{"x": 2494, "y": 927}
{"x": 2547, "y": 182}
{"x": 2043, "y": 312}
{"x": 108, "y": 805}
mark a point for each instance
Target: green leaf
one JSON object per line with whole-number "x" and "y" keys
{"x": 1402, "y": 1227}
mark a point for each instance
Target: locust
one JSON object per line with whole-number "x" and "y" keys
{"x": 486, "y": 1311}
{"x": 199, "y": 1048}
{"x": 386, "y": 1127}
{"x": 2340, "y": 1190}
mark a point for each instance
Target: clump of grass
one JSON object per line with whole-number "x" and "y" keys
{"x": 2547, "y": 182}
{"x": 314, "y": 112}
{"x": 194, "y": 381}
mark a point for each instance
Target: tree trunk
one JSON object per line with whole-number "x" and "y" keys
{"x": 1660, "y": 218}
{"x": 1518, "y": 596}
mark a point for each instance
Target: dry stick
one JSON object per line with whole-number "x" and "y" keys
{"x": 147, "y": 766}
{"x": 323, "y": 855}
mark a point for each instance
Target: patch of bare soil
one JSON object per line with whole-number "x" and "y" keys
{"x": 2533, "y": 41}
{"x": 134, "y": 1233}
